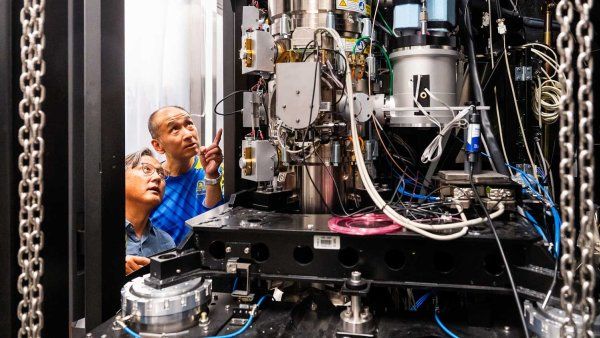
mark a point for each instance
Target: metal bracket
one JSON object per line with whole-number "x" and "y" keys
{"x": 523, "y": 73}
{"x": 241, "y": 270}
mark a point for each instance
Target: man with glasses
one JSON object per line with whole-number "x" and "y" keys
{"x": 194, "y": 183}
{"x": 144, "y": 188}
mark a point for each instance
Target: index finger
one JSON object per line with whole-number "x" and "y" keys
{"x": 217, "y": 139}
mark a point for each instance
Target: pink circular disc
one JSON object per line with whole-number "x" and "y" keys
{"x": 365, "y": 225}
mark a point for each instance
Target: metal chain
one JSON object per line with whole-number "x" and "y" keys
{"x": 585, "y": 35}
{"x": 565, "y": 45}
{"x": 30, "y": 163}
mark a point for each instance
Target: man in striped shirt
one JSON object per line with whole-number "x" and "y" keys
{"x": 193, "y": 186}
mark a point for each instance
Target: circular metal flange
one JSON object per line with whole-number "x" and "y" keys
{"x": 167, "y": 307}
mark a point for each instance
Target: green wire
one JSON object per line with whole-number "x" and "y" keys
{"x": 385, "y": 56}
{"x": 390, "y": 30}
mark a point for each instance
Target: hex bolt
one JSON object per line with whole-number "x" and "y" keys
{"x": 246, "y": 250}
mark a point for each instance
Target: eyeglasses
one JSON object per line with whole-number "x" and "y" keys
{"x": 149, "y": 170}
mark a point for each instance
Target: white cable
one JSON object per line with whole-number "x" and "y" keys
{"x": 377, "y": 199}
{"x": 434, "y": 150}
{"x": 371, "y": 47}
{"x": 517, "y": 110}
{"x": 307, "y": 146}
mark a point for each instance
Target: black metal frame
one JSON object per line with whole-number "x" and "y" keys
{"x": 104, "y": 146}
{"x": 84, "y": 174}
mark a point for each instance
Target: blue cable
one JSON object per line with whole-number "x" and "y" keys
{"x": 131, "y": 332}
{"x": 531, "y": 183}
{"x": 535, "y": 225}
{"x": 235, "y": 283}
{"x": 442, "y": 326}
{"x": 420, "y": 302}
{"x": 417, "y": 196}
{"x": 246, "y": 326}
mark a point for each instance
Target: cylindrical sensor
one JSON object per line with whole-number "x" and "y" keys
{"x": 336, "y": 153}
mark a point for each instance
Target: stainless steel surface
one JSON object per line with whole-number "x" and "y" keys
{"x": 548, "y": 322}
{"x": 253, "y": 109}
{"x": 250, "y": 18}
{"x": 313, "y": 13}
{"x": 257, "y": 53}
{"x": 440, "y": 65}
{"x": 31, "y": 166}
{"x": 260, "y": 158}
{"x": 323, "y": 176}
{"x": 485, "y": 177}
{"x": 170, "y": 307}
{"x": 295, "y": 84}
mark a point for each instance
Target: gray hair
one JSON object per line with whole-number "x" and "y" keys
{"x": 133, "y": 160}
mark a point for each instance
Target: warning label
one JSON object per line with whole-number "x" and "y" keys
{"x": 358, "y": 6}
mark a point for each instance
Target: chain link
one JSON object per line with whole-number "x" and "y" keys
{"x": 565, "y": 45}
{"x": 30, "y": 164}
{"x": 585, "y": 35}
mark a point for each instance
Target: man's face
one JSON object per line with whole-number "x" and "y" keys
{"x": 177, "y": 134}
{"x": 143, "y": 183}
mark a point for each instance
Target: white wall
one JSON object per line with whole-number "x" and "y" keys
{"x": 173, "y": 56}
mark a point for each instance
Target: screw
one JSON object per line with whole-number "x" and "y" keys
{"x": 226, "y": 307}
{"x": 284, "y": 106}
{"x": 228, "y": 249}
{"x": 203, "y": 317}
{"x": 507, "y": 328}
{"x": 297, "y": 120}
{"x": 310, "y": 226}
{"x": 297, "y": 92}
{"x": 178, "y": 271}
{"x": 246, "y": 250}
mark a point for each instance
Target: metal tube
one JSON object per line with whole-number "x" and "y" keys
{"x": 356, "y": 305}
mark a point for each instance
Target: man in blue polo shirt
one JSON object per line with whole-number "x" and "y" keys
{"x": 193, "y": 186}
{"x": 144, "y": 188}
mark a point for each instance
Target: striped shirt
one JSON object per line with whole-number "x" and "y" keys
{"x": 183, "y": 199}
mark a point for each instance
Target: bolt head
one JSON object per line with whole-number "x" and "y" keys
{"x": 228, "y": 249}
{"x": 246, "y": 250}
{"x": 355, "y": 275}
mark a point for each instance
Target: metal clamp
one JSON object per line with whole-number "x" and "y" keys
{"x": 239, "y": 268}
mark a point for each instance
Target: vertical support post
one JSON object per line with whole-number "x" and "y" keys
{"x": 104, "y": 140}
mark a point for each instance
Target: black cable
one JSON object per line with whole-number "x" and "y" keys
{"x": 226, "y": 97}
{"x": 488, "y": 134}
{"x": 305, "y": 48}
{"x": 493, "y": 228}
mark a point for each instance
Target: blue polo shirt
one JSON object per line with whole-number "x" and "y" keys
{"x": 183, "y": 199}
{"x": 152, "y": 242}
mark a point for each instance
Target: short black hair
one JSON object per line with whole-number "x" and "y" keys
{"x": 152, "y": 127}
{"x": 133, "y": 160}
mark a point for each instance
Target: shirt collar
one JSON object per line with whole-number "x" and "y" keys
{"x": 130, "y": 230}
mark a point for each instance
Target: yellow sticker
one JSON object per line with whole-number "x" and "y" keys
{"x": 358, "y": 6}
